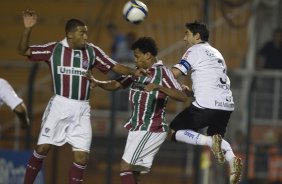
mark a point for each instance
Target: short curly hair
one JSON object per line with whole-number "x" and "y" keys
{"x": 146, "y": 44}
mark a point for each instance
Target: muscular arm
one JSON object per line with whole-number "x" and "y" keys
{"x": 29, "y": 19}
{"x": 125, "y": 70}
{"x": 176, "y": 72}
{"x": 22, "y": 114}
{"x": 111, "y": 85}
{"x": 24, "y": 42}
{"x": 172, "y": 93}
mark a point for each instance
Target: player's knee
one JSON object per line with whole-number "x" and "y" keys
{"x": 43, "y": 149}
{"x": 124, "y": 166}
{"x": 80, "y": 157}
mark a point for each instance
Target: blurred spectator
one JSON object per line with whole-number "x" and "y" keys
{"x": 120, "y": 47}
{"x": 122, "y": 53}
{"x": 270, "y": 55}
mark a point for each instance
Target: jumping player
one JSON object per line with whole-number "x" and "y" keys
{"x": 67, "y": 116}
{"x": 148, "y": 98}
{"x": 213, "y": 103}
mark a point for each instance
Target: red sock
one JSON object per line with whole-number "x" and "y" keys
{"x": 76, "y": 174}
{"x": 127, "y": 177}
{"x": 33, "y": 167}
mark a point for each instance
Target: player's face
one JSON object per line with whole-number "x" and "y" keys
{"x": 79, "y": 37}
{"x": 141, "y": 60}
{"x": 189, "y": 38}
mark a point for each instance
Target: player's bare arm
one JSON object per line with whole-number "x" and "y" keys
{"x": 110, "y": 85}
{"x": 22, "y": 114}
{"x": 125, "y": 70}
{"x": 176, "y": 72}
{"x": 187, "y": 90}
{"x": 29, "y": 20}
{"x": 172, "y": 93}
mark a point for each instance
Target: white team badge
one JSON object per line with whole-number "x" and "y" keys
{"x": 47, "y": 130}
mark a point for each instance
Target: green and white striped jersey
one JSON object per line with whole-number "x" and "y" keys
{"x": 68, "y": 66}
{"x": 148, "y": 108}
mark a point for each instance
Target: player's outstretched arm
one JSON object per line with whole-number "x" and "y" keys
{"x": 29, "y": 20}
{"x": 110, "y": 85}
{"x": 172, "y": 93}
{"x": 22, "y": 114}
{"x": 125, "y": 70}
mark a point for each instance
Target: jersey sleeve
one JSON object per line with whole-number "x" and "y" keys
{"x": 186, "y": 62}
{"x": 125, "y": 80}
{"x": 169, "y": 81}
{"x": 41, "y": 52}
{"x": 102, "y": 61}
{"x": 8, "y": 95}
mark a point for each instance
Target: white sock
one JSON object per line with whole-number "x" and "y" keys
{"x": 225, "y": 146}
{"x": 192, "y": 137}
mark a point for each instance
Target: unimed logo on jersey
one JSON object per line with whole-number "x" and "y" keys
{"x": 71, "y": 71}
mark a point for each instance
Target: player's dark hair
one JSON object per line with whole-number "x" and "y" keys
{"x": 72, "y": 24}
{"x": 198, "y": 27}
{"x": 145, "y": 44}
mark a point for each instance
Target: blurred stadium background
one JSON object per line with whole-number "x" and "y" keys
{"x": 237, "y": 28}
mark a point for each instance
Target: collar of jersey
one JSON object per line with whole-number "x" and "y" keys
{"x": 158, "y": 63}
{"x": 64, "y": 42}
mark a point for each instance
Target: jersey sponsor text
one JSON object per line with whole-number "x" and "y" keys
{"x": 71, "y": 71}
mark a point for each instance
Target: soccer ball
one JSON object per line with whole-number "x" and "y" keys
{"x": 135, "y": 11}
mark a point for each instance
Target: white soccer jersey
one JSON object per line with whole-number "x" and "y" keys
{"x": 210, "y": 83}
{"x": 8, "y": 95}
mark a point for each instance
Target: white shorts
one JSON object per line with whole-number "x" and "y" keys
{"x": 66, "y": 121}
{"x": 141, "y": 148}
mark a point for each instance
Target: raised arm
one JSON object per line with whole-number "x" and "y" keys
{"x": 29, "y": 20}
{"x": 171, "y": 92}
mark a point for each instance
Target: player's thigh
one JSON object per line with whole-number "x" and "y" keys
{"x": 141, "y": 148}
{"x": 80, "y": 132}
{"x": 219, "y": 122}
{"x": 192, "y": 118}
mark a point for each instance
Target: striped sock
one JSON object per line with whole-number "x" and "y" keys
{"x": 76, "y": 174}
{"x": 127, "y": 177}
{"x": 33, "y": 167}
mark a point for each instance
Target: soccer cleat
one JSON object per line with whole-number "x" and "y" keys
{"x": 235, "y": 170}
{"x": 216, "y": 148}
